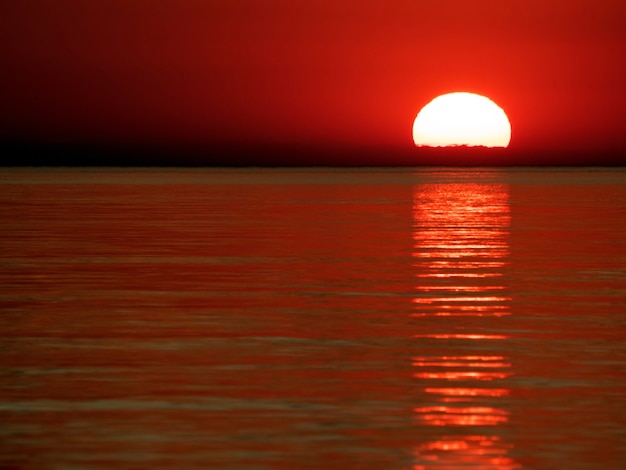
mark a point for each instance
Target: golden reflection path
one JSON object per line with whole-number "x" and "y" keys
{"x": 460, "y": 247}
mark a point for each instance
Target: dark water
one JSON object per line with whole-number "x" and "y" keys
{"x": 336, "y": 319}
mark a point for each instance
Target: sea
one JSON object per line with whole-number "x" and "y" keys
{"x": 313, "y": 318}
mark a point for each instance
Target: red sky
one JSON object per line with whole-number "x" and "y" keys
{"x": 325, "y": 73}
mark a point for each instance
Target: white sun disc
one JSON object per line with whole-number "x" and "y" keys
{"x": 461, "y": 118}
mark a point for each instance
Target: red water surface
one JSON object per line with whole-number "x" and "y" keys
{"x": 409, "y": 319}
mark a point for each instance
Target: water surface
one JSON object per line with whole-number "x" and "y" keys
{"x": 313, "y": 318}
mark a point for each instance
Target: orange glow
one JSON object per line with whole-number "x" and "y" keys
{"x": 458, "y": 288}
{"x": 469, "y": 308}
{"x": 469, "y": 452}
{"x": 462, "y": 358}
{"x": 461, "y": 239}
{"x": 478, "y": 310}
{"x": 460, "y": 299}
{"x": 460, "y": 336}
{"x": 453, "y": 275}
{"x": 461, "y": 119}
{"x": 460, "y": 234}
{"x": 455, "y": 252}
{"x": 461, "y": 375}
{"x": 461, "y": 416}
{"x": 478, "y": 363}
{"x": 464, "y": 265}
{"x": 469, "y": 392}
{"x": 460, "y": 364}
{"x": 464, "y": 311}
{"x": 470, "y": 410}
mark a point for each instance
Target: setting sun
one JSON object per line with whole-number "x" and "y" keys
{"x": 461, "y": 119}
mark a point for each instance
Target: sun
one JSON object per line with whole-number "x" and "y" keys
{"x": 461, "y": 119}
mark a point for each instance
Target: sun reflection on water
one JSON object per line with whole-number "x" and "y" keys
{"x": 460, "y": 248}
